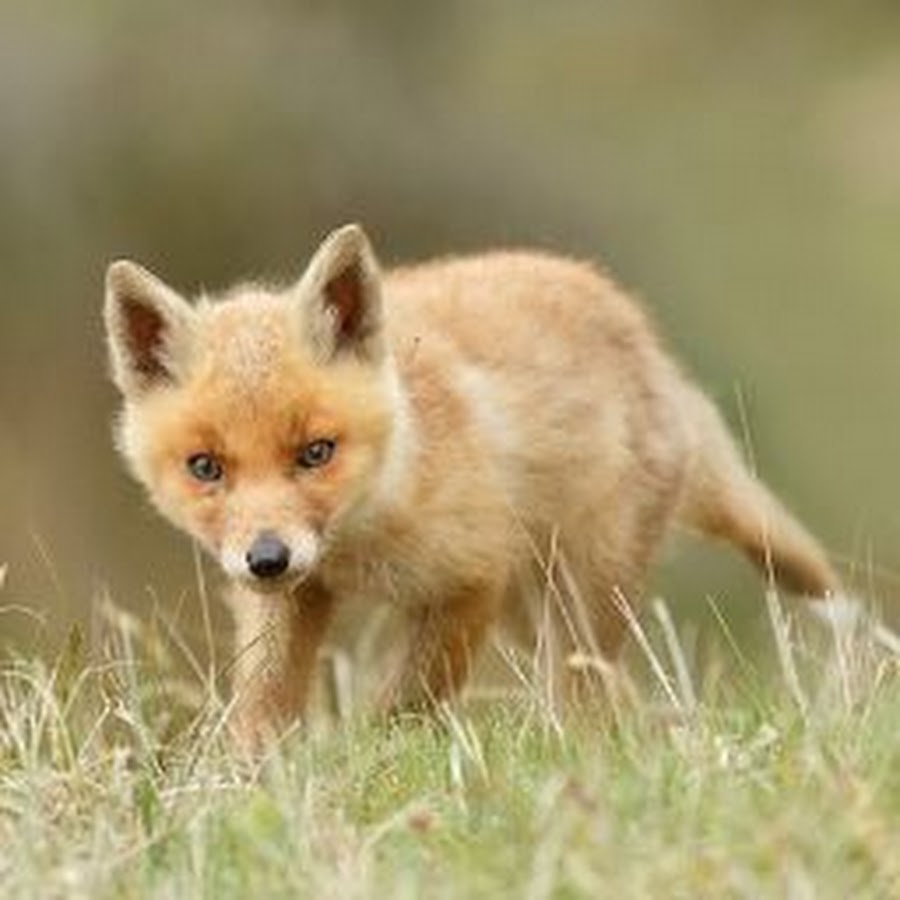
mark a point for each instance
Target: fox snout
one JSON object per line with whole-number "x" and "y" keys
{"x": 269, "y": 558}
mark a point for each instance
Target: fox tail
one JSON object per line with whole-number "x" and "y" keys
{"x": 723, "y": 499}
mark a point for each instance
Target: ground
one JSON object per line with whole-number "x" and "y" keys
{"x": 744, "y": 780}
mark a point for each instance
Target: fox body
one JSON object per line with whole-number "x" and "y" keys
{"x": 423, "y": 437}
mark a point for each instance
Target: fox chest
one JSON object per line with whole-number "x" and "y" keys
{"x": 404, "y": 581}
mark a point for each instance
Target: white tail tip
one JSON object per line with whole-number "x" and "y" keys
{"x": 845, "y": 614}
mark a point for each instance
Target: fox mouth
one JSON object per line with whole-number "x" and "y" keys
{"x": 282, "y": 584}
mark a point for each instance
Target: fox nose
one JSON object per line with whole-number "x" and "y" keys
{"x": 268, "y": 556}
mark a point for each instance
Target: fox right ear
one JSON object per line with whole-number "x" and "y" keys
{"x": 148, "y": 329}
{"x": 339, "y": 298}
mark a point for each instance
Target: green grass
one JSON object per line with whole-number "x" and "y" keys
{"x": 780, "y": 781}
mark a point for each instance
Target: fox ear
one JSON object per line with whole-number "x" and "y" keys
{"x": 148, "y": 329}
{"x": 339, "y": 297}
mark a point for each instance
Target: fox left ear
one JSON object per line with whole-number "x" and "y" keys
{"x": 149, "y": 329}
{"x": 340, "y": 298}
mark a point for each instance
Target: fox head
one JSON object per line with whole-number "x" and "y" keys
{"x": 263, "y": 423}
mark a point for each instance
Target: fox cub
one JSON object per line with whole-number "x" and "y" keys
{"x": 429, "y": 437}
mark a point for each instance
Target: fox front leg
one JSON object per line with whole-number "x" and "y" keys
{"x": 277, "y": 642}
{"x": 444, "y": 642}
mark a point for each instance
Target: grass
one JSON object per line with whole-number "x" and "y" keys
{"x": 735, "y": 781}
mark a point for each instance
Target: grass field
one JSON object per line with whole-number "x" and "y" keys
{"x": 741, "y": 780}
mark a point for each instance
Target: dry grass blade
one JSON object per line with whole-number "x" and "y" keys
{"x": 781, "y": 629}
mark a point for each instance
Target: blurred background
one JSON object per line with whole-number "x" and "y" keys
{"x": 735, "y": 163}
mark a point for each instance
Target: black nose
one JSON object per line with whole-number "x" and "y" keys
{"x": 268, "y": 556}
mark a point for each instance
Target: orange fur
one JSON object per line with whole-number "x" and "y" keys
{"x": 482, "y": 410}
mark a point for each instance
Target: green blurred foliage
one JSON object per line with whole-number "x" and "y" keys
{"x": 736, "y": 164}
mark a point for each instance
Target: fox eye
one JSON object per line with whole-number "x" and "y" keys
{"x": 316, "y": 454}
{"x": 204, "y": 467}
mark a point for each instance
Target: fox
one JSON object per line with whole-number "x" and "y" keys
{"x": 420, "y": 436}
